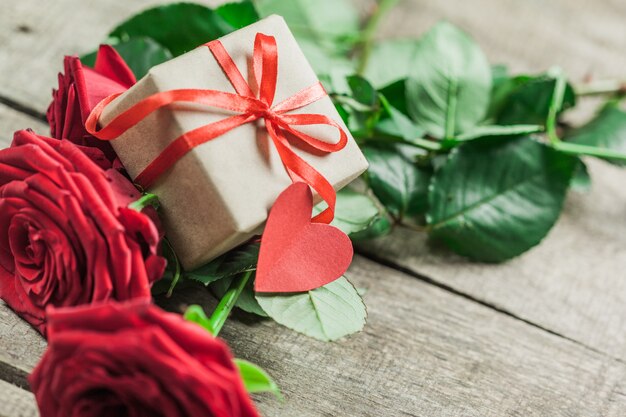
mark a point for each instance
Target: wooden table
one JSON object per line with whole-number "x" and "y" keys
{"x": 542, "y": 335}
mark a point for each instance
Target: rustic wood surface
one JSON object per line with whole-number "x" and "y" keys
{"x": 572, "y": 284}
{"x": 16, "y": 402}
{"x": 542, "y": 335}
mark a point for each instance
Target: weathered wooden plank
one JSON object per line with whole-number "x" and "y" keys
{"x": 424, "y": 352}
{"x": 12, "y": 120}
{"x": 529, "y": 36}
{"x": 16, "y": 402}
{"x": 582, "y": 36}
{"x": 615, "y": 405}
{"x": 572, "y": 283}
{"x": 35, "y": 38}
{"x": 20, "y": 348}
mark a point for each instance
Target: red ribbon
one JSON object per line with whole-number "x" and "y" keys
{"x": 249, "y": 107}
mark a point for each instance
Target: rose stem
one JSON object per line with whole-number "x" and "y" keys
{"x": 144, "y": 201}
{"x": 576, "y": 149}
{"x": 226, "y": 304}
{"x": 567, "y": 147}
{"x": 370, "y": 30}
{"x": 601, "y": 87}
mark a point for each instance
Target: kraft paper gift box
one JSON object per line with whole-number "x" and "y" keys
{"x": 218, "y": 195}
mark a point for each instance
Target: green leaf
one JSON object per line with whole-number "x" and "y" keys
{"x": 239, "y": 14}
{"x": 255, "y": 379}
{"x": 195, "y": 314}
{"x": 235, "y": 262}
{"x": 499, "y": 75}
{"x": 172, "y": 274}
{"x": 379, "y": 227}
{"x": 496, "y": 131}
{"x": 528, "y": 101}
{"x": 174, "y": 269}
{"x": 220, "y": 273}
{"x": 395, "y": 95}
{"x": 331, "y": 66}
{"x": 606, "y": 130}
{"x": 180, "y": 27}
{"x": 581, "y": 181}
{"x": 450, "y": 82}
{"x": 399, "y": 184}
{"x": 326, "y": 30}
{"x": 502, "y": 85}
{"x": 494, "y": 200}
{"x": 246, "y": 301}
{"x": 326, "y": 313}
{"x": 380, "y": 72}
{"x": 397, "y": 123}
{"x": 355, "y": 213}
{"x": 140, "y": 54}
{"x": 399, "y": 126}
{"x": 332, "y": 24}
{"x": 361, "y": 106}
{"x": 362, "y": 90}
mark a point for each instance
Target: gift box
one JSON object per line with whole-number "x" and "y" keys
{"x": 218, "y": 195}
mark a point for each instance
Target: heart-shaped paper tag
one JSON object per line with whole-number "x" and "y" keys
{"x": 297, "y": 255}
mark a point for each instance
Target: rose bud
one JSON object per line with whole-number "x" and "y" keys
{"x": 66, "y": 235}
{"x": 80, "y": 89}
{"x": 133, "y": 359}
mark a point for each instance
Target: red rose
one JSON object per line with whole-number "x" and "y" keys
{"x": 66, "y": 235}
{"x": 80, "y": 89}
{"x": 133, "y": 359}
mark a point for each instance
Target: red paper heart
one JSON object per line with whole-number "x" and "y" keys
{"x": 297, "y": 255}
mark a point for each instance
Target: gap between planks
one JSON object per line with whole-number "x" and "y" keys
{"x": 23, "y": 108}
{"x": 424, "y": 352}
{"x": 430, "y": 281}
{"x": 17, "y": 376}
{"x": 590, "y": 48}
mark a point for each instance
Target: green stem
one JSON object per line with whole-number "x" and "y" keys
{"x": 429, "y": 145}
{"x": 451, "y": 110}
{"x": 228, "y": 301}
{"x": 370, "y": 30}
{"x": 556, "y": 104}
{"x": 144, "y": 201}
{"x": 576, "y": 149}
{"x": 349, "y": 101}
{"x": 601, "y": 87}
{"x": 177, "y": 268}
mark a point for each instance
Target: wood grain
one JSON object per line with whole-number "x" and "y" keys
{"x": 34, "y": 38}
{"x": 16, "y": 402}
{"x": 12, "y": 120}
{"x": 21, "y": 346}
{"x": 584, "y": 37}
{"x": 424, "y": 352}
{"x": 572, "y": 283}
{"x": 456, "y": 341}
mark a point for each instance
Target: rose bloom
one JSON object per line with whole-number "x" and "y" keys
{"x": 80, "y": 89}
{"x": 133, "y": 359}
{"x": 66, "y": 235}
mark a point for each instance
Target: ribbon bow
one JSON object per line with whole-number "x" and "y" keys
{"x": 249, "y": 107}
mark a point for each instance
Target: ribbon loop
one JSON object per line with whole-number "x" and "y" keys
{"x": 248, "y": 107}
